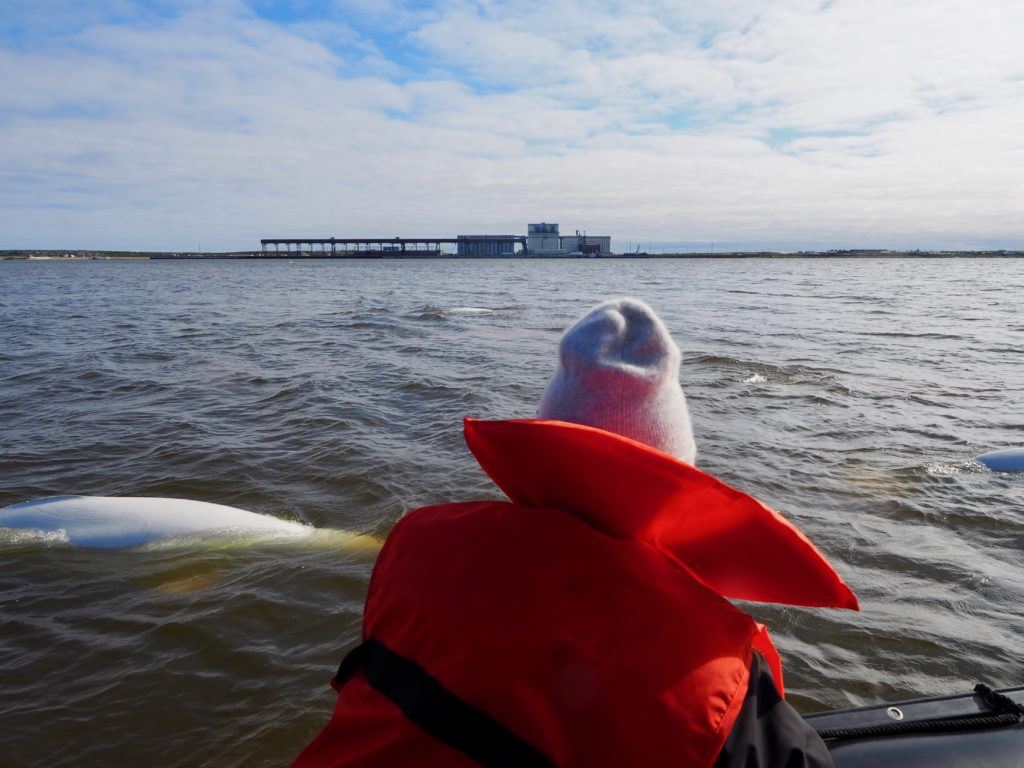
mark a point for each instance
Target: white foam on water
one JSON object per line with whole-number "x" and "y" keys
{"x": 470, "y": 310}
{"x": 948, "y": 469}
{"x": 28, "y": 537}
{"x": 756, "y": 378}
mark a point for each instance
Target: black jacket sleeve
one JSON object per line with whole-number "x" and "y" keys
{"x": 768, "y": 732}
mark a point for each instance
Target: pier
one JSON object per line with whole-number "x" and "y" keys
{"x": 395, "y": 247}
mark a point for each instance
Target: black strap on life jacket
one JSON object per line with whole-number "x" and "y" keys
{"x": 436, "y": 710}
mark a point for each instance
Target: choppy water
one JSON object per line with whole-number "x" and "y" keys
{"x": 849, "y": 394}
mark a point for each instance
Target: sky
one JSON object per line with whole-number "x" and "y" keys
{"x": 786, "y": 124}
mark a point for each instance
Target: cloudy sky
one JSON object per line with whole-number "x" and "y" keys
{"x": 786, "y": 124}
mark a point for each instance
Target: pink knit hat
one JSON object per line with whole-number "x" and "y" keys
{"x": 619, "y": 371}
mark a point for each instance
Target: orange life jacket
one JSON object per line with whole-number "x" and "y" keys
{"x": 584, "y": 623}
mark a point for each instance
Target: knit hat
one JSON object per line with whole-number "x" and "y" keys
{"x": 619, "y": 371}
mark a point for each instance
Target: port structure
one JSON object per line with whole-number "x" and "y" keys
{"x": 379, "y": 247}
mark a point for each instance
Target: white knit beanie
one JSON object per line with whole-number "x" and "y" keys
{"x": 619, "y": 371}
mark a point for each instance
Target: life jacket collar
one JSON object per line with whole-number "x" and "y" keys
{"x": 735, "y": 544}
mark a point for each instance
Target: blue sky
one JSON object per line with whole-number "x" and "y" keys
{"x": 788, "y": 124}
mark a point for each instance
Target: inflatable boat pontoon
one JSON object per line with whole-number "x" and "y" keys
{"x": 980, "y": 729}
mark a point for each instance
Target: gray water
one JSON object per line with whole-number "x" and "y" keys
{"x": 850, "y": 395}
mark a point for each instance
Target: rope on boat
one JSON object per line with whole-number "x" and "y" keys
{"x": 1006, "y": 712}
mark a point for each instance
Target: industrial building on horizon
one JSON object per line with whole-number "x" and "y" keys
{"x": 544, "y": 240}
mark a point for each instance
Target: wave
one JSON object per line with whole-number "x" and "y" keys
{"x": 750, "y": 372}
{"x": 909, "y": 335}
{"x": 290, "y": 390}
{"x": 440, "y": 313}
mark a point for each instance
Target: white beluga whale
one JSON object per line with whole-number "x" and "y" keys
{"x": 1009, "y": 460}
{"x": 128, "y": 521}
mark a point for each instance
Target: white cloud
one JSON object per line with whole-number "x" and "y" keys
{"x": 874, "y": 122}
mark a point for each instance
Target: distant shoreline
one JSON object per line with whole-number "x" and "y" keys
{"x": 87, "y": 255}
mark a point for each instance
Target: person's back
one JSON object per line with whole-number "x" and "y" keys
{"x": 584, "y": 622}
